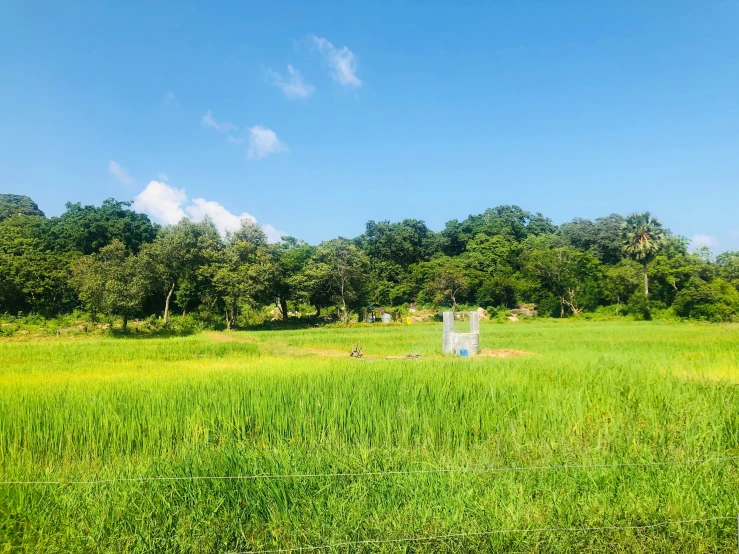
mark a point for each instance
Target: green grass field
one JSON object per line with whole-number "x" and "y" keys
{"x": 292, "y": 402}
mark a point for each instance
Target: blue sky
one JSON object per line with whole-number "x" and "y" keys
{"x": 315, "y": 117}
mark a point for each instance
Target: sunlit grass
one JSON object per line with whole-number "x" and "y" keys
{"x": 293, "y": 402}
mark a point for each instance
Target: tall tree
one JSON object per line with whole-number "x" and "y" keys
{"x": 391, "y": 248}
{"x": 337, "y": 271}
{"x": 33, "y": 278}
{"x": 643, "y": 236}
{"x": 178, "y": 252}
{"x": 290, "y": 257}
{"x": 87, "y": 229}
{"x": 569, "y": 274}
{"x": 113, "y": 281}
{"x": 601, "y": 237}
{"x": 445, "y": 280}
{"x": 728, "y": 264}
{"x": 243, "y": 270}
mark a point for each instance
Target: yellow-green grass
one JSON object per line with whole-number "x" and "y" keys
{"x": 292, "y": 402}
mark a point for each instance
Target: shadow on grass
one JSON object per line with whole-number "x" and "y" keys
{"x": 137, "y": 333}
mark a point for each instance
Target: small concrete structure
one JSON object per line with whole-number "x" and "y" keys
{"x": 454, "y": 343}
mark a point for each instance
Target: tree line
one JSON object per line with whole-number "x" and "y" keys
{"x": 112, "y": 261}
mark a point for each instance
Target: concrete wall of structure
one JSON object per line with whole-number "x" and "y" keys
{"x": 467, "y": 341}
{"x": 447, "y": 338}
{"x": 453, "y": 343}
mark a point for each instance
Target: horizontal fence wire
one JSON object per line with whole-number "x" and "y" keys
{"x": 373, "y": 473}
{"x": 485, "y": 533}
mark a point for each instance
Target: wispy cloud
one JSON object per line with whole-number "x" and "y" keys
{"x": 163, "y": 177}
{"x": 699, "y": 241}
{"x": 341, "y": 60}
{"x": 234, "y": 140}
{"x": 209, "y": 121}
{"x": 263, "y": 142}
{"x": 168, "y": 205}
{"x": 115, "y": 169}
{"x": 294, "y": 86}
{"x": 169, "y": 97}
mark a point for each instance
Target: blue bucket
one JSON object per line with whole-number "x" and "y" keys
{"x": 463, "y": 352}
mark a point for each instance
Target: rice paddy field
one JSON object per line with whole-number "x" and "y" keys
{"x": 608, "y": 431}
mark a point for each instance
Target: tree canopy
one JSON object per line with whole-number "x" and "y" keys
{"x": 112, "y": 261}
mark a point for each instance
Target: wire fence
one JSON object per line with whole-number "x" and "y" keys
{"x": 478, "y": 470}
{"x": 485, "y": 533}
{"x": 562, "y": 467}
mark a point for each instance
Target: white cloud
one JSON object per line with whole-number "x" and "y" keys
{"x": 208, "y": 121}
{"x": 273, "y": 234}
{"x": 233, "y": 139}
{"x": 161, "y": 202}
{"x": 119, "y": 173}
{"x": 263, "y": 142}
{"x": 164, "y": 204}
{"x": 223, "y": 219}
{"x": 341, "y": 61}
{"x": 699, "y": 241}
{"x": 294, "y": 87}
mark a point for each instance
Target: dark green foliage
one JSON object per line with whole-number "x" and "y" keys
{"x": 497, "y": 291}
{"x": 728, "y": 267}
{"x": 12, "y": 205}
{"x": 638, "y": 306}
{"x": 601, "y": 237}
{"x": 32, "y": 278}
{"x": 503, "y": 220}
{"x": 87, "y": 229}
{"x": 714, "y": 301}
{"x": 500, "y": 258}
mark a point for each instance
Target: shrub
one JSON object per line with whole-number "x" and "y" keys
{"x": 714, "y": 301}
{"x": 638, "y": 306}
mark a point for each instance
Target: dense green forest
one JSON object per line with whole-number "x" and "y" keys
{"x": 111, "y": 261}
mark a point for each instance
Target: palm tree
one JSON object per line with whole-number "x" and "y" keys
{"x": 643, "y": 236}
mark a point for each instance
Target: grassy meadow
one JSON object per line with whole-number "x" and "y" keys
{"x": 292, "y": 402}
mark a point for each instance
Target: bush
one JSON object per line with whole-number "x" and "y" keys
{"x": 714, "y": 301}
{"x": 183, "y": 326}
{"x": 638, "y": 306}
{"x": 497, "y": 291}
{"x": 498, "y": 315}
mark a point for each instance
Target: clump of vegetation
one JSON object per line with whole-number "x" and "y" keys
{"x": 113, "y": 262}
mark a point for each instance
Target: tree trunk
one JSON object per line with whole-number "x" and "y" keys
{"x": 283, "y": 308}
{"x": 646, "y": 282}
{"x": 561, "y": 307}
{"x": 571, "y": 303}
{"x": 166, "y": 304}
{"x": 318, "y": 310}
{"x": 343, "y": 301}
{"x": 125, "y": 321}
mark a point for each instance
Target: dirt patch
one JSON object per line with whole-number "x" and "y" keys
{"x": 328, "y": 353}
{"x": 505, "y": 353}
{"x": 217, "y": 336}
